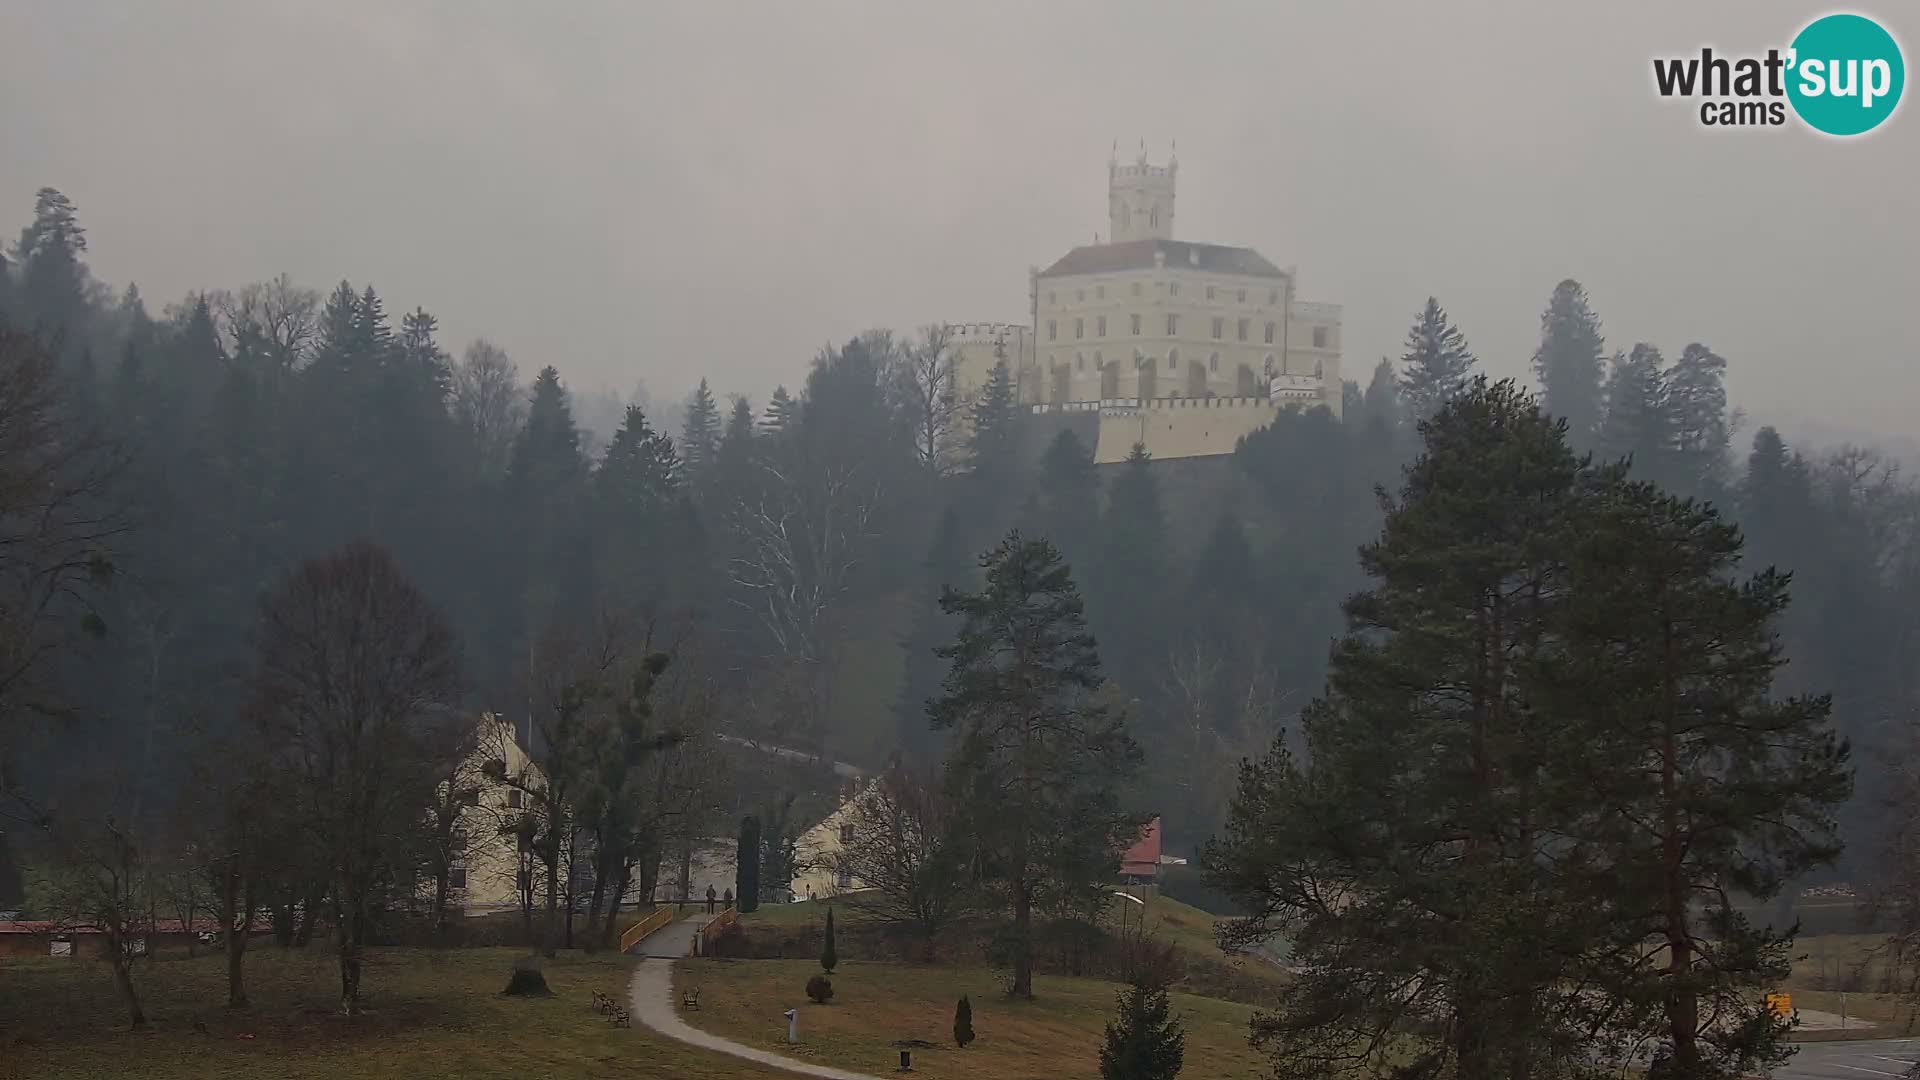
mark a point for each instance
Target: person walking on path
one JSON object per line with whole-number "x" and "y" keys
{"x": 710, "y": 898}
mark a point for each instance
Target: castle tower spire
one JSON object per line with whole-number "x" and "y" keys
{"x": 1140, "y": 200}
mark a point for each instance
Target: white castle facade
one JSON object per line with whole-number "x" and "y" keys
{"x": 1183, "y": 347}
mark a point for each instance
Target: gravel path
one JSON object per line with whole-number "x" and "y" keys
{"x": 651, "y": 998}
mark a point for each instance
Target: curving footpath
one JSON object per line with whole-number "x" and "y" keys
{"x": 650, "y": 995}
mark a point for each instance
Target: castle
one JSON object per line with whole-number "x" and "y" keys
{"x": 1180, "y": 346}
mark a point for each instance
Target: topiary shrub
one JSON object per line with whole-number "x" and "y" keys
{"x": 820, "y": 989}
{"x": 963, "y": 1022}
{"x": 527, "y": 980}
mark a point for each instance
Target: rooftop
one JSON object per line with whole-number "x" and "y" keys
{"x": 1139, "y": 255}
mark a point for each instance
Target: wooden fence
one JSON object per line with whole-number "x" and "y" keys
{"x": 660, "y": 917}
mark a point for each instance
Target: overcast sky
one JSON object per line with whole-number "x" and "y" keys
{"x": 656, "y": 191}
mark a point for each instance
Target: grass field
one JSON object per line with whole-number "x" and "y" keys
{"x": 874, "y": 1005}
{"x": 431, "y": 1014}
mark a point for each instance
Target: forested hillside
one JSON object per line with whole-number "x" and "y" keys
{"x": 793, "y": 544}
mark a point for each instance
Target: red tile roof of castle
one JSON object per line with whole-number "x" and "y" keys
{"x": 1139, "y": 255}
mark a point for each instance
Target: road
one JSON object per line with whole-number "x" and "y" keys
{"x": 1863, "y": 1059}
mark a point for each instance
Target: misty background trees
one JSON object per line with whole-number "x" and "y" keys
{"x": 797, "y": 542}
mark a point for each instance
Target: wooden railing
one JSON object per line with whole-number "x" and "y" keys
{"x": 660, "y": 917}
{"x": 714, "y": 926}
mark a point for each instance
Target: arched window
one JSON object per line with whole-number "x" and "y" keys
{"x": 1173, "y": 359}
{"x": 1153, "y": 217}
{"x": 1213, "y": 362}
{"x": 1269, "y": 333}
{"x": 1079, "y": 361}
{"x": 1268, "y": 368}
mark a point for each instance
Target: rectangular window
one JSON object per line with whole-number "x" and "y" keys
{"x": 1136, "y": 323}
{"x": 1209, "y": 292}
{"x": 1219, "y": 327}
{"x": 1053, "y": 329}
{"x": 1173, "y": 325}
{"x": 1173, "y": 288}
{"x": 1269, "y": 333}
{"x": 1080, "y": 294}
{"x": 457, "y": 878}
{"x": 515, "y": 799}
{"x": 846, "y": 834}
{"x": 1243, "y": 329}
{"x": 1319, "y": 337}
{"x": 1079, "y": 328}
{"x": 1100, "y": 326}
{"x": 843, "y": 880}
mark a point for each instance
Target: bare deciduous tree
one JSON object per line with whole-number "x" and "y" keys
{"x": 275, "y": 321}
{"x": 356, "y": 690}
{"x": 930, "y": 397}
{"x": 801, "y": 540}
{"x": 488, "y": 403}
{"x": 59, "y": 525}
{"x": 897, "y": 844}
{"x": 95, "y": 878}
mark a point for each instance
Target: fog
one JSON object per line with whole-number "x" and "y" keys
{"x": 654, "y": 191}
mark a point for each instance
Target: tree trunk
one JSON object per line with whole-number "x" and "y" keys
{"x": 349, "y": 966}
{"x": 309, "y": 917}
{"x": 593, "y": 903}
{"x": 123, "y": 981}
{"x": 624, "y": 877}
{"x": 441, "y": 883}
{"x": 1683, "y": 1004}
{"x": 552, "y": 858}
{"x": 1022, "y": 938}
{"x": 235, "y": 925}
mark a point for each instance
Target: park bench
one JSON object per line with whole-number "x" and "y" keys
{"x": 618, "y": 1017}
{"x": 601, "y": 1001}
{"x": 690, "y": 998}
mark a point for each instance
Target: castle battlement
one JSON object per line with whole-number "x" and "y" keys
{"x": 986, "y": 332}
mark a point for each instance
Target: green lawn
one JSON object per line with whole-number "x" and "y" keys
{"x": 874, "y": 1005}
{"x": 431, "y": 1014}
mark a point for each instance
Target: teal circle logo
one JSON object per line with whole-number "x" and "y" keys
{"x": 1845, "y": 74}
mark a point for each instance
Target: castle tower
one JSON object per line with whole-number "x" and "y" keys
{"x": 1140, "y": 199}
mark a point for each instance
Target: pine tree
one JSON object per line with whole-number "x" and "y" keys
{"x": 1437, "y": 363}
{"x": 1570, "y": 362}
{"x": 990, "y": 445}
{"x": 946, "y": 565}
{"x": 1710, "y": 785}
{"x": 53, "y": 277}
{"x": 1381, "y": 402}
{"x": 1129, "y": 586}
{"x": 1144, "y": 1041}
{"x": 1403, "y": 854}
{"x": 640, "y": 474}
{"x": 782, "y": 412}
{"x": 1702, "y": 432}
{"x": 828, "y": 958}
{"x": 962, "y": 1022}
{"x": 700, "y": 434}
{"x": 1037, "y": 763}
{"x": 1638, "y": 423}
{"x": 1066, "y": 507}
